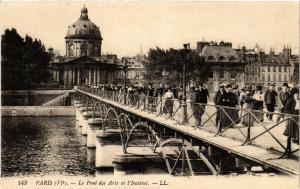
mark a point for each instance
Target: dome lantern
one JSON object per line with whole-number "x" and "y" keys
{"x": 83, "y": 37}
{"x": 84, "y": 14}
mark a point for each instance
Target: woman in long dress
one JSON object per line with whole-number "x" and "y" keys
{"x": 258, "y": 103}
{"x": 168, "y": 107}
{"x": 292, "y": 124}
{"x": 247, "y": 105}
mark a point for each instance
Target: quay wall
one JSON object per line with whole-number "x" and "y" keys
{"x": 37, "y": 111}
{"x": 34, "y": 92}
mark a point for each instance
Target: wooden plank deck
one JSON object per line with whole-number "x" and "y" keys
{"x": 253, "y": 153}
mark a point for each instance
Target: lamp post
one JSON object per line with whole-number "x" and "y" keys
{"x": 186, "y": 50}
{"x": 125, "y": 78}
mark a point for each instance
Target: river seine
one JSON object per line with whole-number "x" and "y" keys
{"x": 37, "y": 146}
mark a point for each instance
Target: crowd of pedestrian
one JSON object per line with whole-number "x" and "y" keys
{"x": 252, "y": 102}
{"x": 233, "y": 105}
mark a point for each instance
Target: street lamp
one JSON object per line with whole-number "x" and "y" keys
{"x": 125, "y": 72}
{"x": 186, "y": 51}
{"x": 125, "y": 78}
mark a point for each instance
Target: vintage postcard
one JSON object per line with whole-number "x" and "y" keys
{"x": 150, "y": 94}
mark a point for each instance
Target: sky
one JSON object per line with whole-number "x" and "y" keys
{"x": 129, "y": 27}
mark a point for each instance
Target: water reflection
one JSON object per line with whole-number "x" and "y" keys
{"x": 91, "y": 155}
{"x": 26, "y": 100}
{"x": 37, "y": 146}
{"x": 42, "y": 145}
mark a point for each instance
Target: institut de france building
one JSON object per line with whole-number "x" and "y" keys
{"x": 83, "y": 63}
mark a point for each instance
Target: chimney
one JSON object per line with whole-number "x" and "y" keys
{"x": 287, "y": 52}
{"x": 201, "y": 45}
{"x": 272, "y": 51}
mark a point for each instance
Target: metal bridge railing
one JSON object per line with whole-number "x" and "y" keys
{"x": 245, "y": 125}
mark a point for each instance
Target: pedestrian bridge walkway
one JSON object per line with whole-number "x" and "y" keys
{"x": 244, "y": 135}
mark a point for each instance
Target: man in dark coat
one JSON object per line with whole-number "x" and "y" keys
{"x": 283, "y": 96}
{"x": 180, "y": 93}
{"x": 150, "y": 97}
{"x": 292, "y": 125}
{"x": 219, "y": 100}
{"x": 270, "y": 100}
{"x": 175, "y": 92}
{"x": 203, "y": 94}
{"x": 160, "y": 90}
{"x": 197, "y": 105}
{"x": 231, "y": 115}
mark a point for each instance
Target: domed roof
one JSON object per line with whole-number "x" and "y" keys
{"x": 83, "y": 28}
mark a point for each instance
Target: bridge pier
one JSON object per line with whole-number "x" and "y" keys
{"x": 137, "y": 160}
{"x": 79, "y": 115}
{"x": 91, "y": 155}
{"x": 108, "y": 143}
{"x": 79, "y": 118}
{"x": 84, "y": 127}
{"x": 94, "y": 124}
{"x": 85, "y": 116}
{"x": 91, "y": 136}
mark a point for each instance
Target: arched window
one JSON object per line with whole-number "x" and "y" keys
{"x": 95, "y": 51}
{"x": 71, "y": 50}
{"x": 222, "y": 58}
{"x": 211, "y": 58}
{"x": 83, "y": 49}
{"x": 232, "y": 58}
{"x": 250, "y": 79}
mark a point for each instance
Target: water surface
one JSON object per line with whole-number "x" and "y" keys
{"x": 42, "y": 146}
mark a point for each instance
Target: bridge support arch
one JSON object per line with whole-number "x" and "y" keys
{"x": 108, "y": 139}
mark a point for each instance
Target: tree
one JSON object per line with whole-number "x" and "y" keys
{"x": 24, "y": 61}
{"x": 167, "y": 66}
{"x": 295, "y": 74}
{"x": 11, "y": 52}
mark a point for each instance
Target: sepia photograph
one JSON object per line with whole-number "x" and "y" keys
{"x": 150, "y": 94}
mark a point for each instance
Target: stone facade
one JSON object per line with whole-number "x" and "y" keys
{"x": 135, "y": 69}
{"x": 225, "y": 62}
{"x": 262, "y": 68}
{"x": 83, "y": 64}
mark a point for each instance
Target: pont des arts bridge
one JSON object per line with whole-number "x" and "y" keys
{"x": 183, "y": 137}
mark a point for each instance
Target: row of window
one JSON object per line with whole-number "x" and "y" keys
{"x": 222, "y": 75}
{"x": 273, "y": 68}
{"x": 221, "y": 58}
{"x": 252, "y": 69}
{"x": 285, "y": 77}
{"x": 255, "y": 79}
{"x": 131, "y": 74}
{"x": 269, "y": 68}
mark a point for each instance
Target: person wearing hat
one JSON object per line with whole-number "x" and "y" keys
{"x": 196, "y": 106}
{"x": 180, "y": 92}
{"x": 247, "y": 104}
{"x": 219, "y": 100}
{"x": 258, "y": 103}
{"x": 270, "y": 100}
{"x": 204, "y": 94}
{"x": 150, "y": 97}
{"x": 236, "y": 90}
{"x": 200, "y": 99}
{"x": 175, "y": 91}
{"x": 231, "y": 116}
{"x": 241, "y": 96}
{"x": 292, "y": 108}
{"x": 282, "y": 99}
{"x": 169, "y": 98}
{"x": 131, "y": 90}
{"x": 160, "y": 90}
